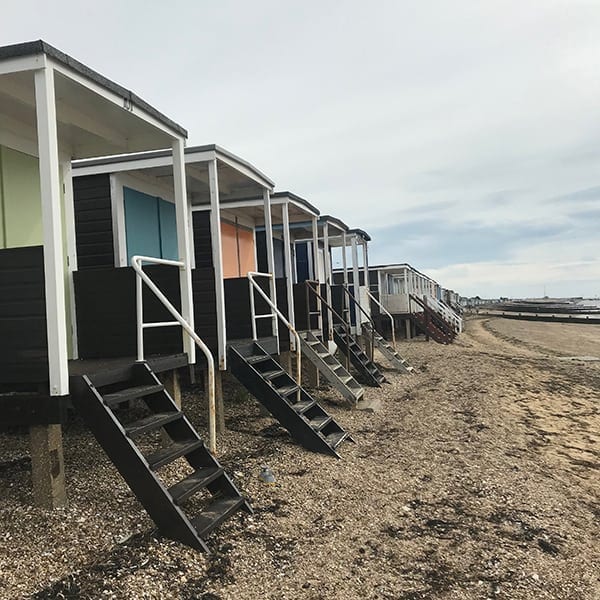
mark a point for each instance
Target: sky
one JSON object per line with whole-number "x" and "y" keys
{"x": 464, "y": 136}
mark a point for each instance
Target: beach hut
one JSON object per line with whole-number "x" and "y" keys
{"x": 241, "y": 273}
{"x": 410, "y": 300}
{"x": 53, "y": 109}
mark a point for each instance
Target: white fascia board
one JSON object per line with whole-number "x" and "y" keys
{"x": 22, "y": 63}
{"x": 304, "y": 208}
{"x": 114, "y": 98}
{"x": 246, "y": 171}
{"x": 125, "y": 165}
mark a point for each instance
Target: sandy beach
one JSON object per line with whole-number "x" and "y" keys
{"x": 478, "y": 478}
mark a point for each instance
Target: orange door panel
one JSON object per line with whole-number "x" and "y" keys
{"x": 229, "y": 250}
{"x": 246, "y": 249}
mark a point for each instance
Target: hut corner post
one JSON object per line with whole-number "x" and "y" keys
{"x": 47, "y": 460}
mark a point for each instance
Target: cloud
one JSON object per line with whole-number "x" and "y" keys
{"x": 456, "y": 133}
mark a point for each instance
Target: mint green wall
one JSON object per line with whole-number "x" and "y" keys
{"x": 21, "y": 208}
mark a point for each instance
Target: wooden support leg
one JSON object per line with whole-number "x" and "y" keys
{"x": 220, "y": 405}
{"x": 407, "y": 324}
{"x": 172, "y": 385}
{"x": 313, "y": 377}
{"x": 170, "y": 380}
{"x": 47, "y": 466}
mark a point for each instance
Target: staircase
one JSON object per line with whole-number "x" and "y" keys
{"x": 393, "y": 357}
{"x": 139, "y": 453}
{"x": 289, "y": 403}
{"x": 361, "y": 362}
{"x": 330, "y": 367}
{"x": 432, "y": 324}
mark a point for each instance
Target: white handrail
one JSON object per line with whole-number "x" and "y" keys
{"x": 446, "y": 312}
{"x": 136, "y": 263}
{"x": 384, "y": 310}
{"x": 255, "y": 286}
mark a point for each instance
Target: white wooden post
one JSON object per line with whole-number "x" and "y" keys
{"x": 71, "y": 252}
{"x": 315, "y": 249}
{"x": 217, "y": 252}
{"x": 327, "y": 269}
{"x": 56, "y": 322}
{"x": 270, "y": 253}
{"x": 287, "y": 255}
{"x": 183, "y": 243}
{"x": 366, "y": 265}
{"x": 355, "y": 282}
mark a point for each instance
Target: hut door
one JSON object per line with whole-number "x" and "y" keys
{"x": 150, "y": 226}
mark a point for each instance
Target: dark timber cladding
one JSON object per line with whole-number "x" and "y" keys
{"x": 93, "y": 222}
{"x": 23, "y": 347}
{"x": 106, "y": 312}
{"x": 203, "y": 281}
{"x": 237, "y": 310}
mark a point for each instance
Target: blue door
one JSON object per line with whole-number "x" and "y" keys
{"x": 168, "y": 230}
{"x": 150, "y": 226}
{"x": 142, "y": 226}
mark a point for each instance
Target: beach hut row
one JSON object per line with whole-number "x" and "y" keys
{"x": 128, "y": 259}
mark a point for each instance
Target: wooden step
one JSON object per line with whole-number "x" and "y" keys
{"x": 151, "y": 422}
{"x": 318, "y": 423}
{"x": 164, "y": 456}
{"x": 336, "y": 438}
{"x": 287, "y": 390}
{"x": 198, "y": 480}
{"x": 304, "y": 405}
{"x": 215, "y": 514}
{"x": 268, "y": 375}
{"x": 131, "y": 393}
{"x": 254, "y": 360}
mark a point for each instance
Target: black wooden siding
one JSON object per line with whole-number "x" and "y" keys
{"x": 24, "y": 345}
{"x": 106, "y": 312}
{"x": 203, "y": 281}
{"x": 237, "y": 310}
{"x": 93, "y": 222}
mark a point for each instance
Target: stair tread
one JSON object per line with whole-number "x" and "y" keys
{"x": 304, "y": 405}
{"x": 170, "y": 453}
{"x": 132, "y": 393}
{"x": 199, "y": 479}
{"x": 317, "y": 423}
{"x": 257, "y": 359}
{"x": 272, "y": 374}
{"x": 215, "y": 514}
{"x": 286, "y": 390}
{"x": 336, "y": 438}
{"x": 151, "y": 422}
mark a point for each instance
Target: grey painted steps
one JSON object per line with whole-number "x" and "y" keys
{"x": 399, "y": 363}
{"x": 330, "y": 367}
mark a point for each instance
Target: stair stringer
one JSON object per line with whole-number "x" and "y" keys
{"x": 361, "y": 362}
{"x": 392, "y": 356}
{"x": 330, "y": 368}
{"x": 279, "y": 407}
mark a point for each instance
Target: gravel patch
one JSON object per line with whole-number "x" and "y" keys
{"x": 478, "y": 478}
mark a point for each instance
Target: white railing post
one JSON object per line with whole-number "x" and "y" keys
{"x": 141, "y": 276}
{"x": 252, "y": 310}
{"x": 139, "y": 301}
{"x": 385, "y": 311}
{"x": 276, "y": 314}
